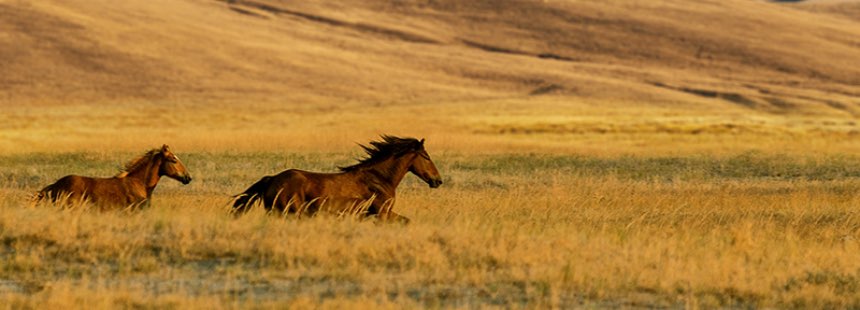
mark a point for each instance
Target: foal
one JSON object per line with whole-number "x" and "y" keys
{"x": 130, "y": 188}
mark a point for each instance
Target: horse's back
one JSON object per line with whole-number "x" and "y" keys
{"x": 71, "y": 183}
{"x": 290, "y": 180}
{"x": 70, "y": 186}
{"x": 295, "y": 180}
{"x": 111, "y": 191}
{"x": 275, "y": 190}
{"x": 318, "y": 185}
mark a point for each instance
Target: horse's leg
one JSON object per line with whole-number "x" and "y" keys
{"x": 389, "y": 217}
{"x": 75, "y": 199}
{"x": 279, "y": 203}
{"x": 288, "y": 204}
{"x": 140, "y": 205}
{"x": 384, "y": 213}
{"x": 393, "y": 217}
{"x": 299, "y": 205}
{"x": 312, "y": 207}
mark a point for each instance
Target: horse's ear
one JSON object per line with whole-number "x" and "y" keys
{"x": 420, "y": 144}
{"x": 165, "y": 148}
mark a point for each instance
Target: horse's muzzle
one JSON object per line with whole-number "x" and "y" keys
{"x": 435, "y": 183}
{"x": 185, "y": 180}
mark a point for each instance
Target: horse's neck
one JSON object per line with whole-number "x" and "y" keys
{"x": 147, "y": 174}
{"x": 391, "y": 171}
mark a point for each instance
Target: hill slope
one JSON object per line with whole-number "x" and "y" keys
{"x": 760, "y": 55}
{"x": 842, "y": 8}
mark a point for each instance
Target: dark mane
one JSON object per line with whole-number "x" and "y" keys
{"x": 138, "y": 162}
{"x": 381, "y": 150}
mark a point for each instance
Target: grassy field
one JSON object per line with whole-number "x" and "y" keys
{"x": 751, "y": 229}
{"x": 547, "y": 202}
{"x": 695, "y": 154}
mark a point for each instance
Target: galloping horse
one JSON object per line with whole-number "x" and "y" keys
{"x": 372, "y": 180}
{"x": 130, "y": 188}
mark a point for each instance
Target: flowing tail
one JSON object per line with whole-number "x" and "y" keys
{"x": 245, "y": 200}
{"x": 38, "y": 197}
{"x": 49, "y": 192}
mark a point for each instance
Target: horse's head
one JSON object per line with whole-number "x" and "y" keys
{"x": 172, "y": 167}
{"x": 423, "y": 167}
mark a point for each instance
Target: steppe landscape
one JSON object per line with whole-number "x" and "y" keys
{"x": 595, "y": 154}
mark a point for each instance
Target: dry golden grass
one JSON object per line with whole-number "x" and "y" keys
{"x": 505, "y": 230}
{"x": 543, "y": 124}
{"x": 547, "y": 202}
{"x": 595, "y": 154}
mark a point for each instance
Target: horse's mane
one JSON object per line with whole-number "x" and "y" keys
{"x": 138, "y": 162}
{"x": 380, "y": 150}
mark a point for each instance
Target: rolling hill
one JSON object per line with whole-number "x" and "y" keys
{"x": 766, "y": 56}
{"x": 849, "y": 9}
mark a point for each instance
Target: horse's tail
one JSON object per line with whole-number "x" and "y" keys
{"x": 245, "y": 200}
{"x": 36, "y": 198}
{"x": 48, "y": 192}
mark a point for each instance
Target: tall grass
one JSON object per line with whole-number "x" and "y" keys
{"x": 505, "y": 230}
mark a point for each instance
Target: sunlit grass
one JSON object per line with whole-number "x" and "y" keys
{"x": 667, "y": 156}
{"x": 543, "y": 125}
{"x": 516, "y": 230}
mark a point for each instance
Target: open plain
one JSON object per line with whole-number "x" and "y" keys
{"x": 623, "y": 154}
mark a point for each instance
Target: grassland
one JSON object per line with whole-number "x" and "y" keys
{"x": 595, "y": 153}
{"x": 548, "y": 202}
{"x": 753, "y": 229}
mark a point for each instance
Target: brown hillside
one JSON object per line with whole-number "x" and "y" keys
{"x": 761, "y": 55}
{"x": 842, "y": 8}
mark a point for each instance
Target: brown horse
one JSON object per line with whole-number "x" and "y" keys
{"x": 130, "y": 188}
{"x": 371, "y": 183}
